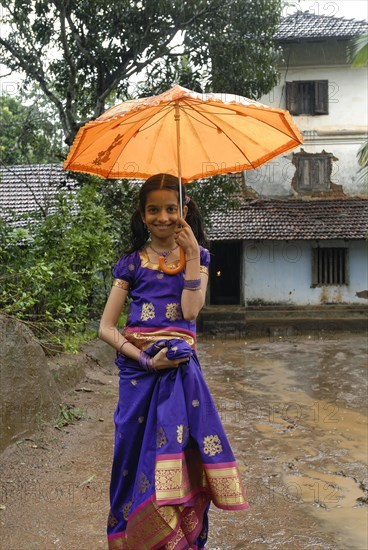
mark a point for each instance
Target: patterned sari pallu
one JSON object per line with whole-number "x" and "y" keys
{"x": 171, "y": 457}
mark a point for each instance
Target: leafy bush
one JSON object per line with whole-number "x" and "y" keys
{"x": 55, "y": 271}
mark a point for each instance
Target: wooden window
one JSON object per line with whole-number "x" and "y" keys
{"x": 307, "y": 97}
{"x": 329, "y": 266}
{"x": 313, "y": 173}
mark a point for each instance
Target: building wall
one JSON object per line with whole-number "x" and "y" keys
{"x": 280, "y": 272}
{"x": 341, "y": 132}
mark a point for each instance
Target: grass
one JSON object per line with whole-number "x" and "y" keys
{"x": 72, "y": 342}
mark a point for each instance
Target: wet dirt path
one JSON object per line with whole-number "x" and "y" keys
{"x": 295, "y": 413}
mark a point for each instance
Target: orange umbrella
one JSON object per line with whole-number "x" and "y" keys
{"x": 183, "y": 133}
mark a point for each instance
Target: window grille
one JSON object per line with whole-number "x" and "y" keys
{"x": 329, "y": 266}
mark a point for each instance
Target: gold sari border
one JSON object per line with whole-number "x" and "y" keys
{"x": 226, "y": 486}
{"x": 179, "y": 479}
{"x": 146, "y": 262}
{"x": 143, "y": 340}
{"x": 120, "y": 283}
{"x": 152, "y": 527}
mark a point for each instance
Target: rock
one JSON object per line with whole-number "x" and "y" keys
{"x": 27, "y": 389}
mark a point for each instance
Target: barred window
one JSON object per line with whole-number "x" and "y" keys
{"x": 307, "y": 97}
{"x": 329, "y": 266}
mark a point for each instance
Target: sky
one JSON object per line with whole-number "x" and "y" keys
{"x": 351, "y": 9}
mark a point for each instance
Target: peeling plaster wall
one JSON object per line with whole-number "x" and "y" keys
{"x": 280, "y": 272}
{"x": 341, "y": 132}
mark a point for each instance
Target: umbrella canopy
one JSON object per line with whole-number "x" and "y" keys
{"x": 182, "y": 133}
{"x": 185, "y": 134}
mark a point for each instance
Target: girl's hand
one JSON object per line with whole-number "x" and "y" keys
{"x": 161, "y": 362}
{"x": 185, "y": 238}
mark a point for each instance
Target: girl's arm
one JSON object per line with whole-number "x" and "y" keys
{"x": 110, "y": 334}
{"x": 192, "y": 301}
{"x": 108, "y": 331}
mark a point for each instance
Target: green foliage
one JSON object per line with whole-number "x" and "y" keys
{"x": 100, "y": 49}
{"x": 55, "y": 271}
{"x": 358, "y": 51}
{"x": 359, "y": 58}
{"x": 69, "y": 414}
{"x": 215, "y": 193}
{"x": 238, "y": 43}
{"x": 120, "y": 197}
{"x": 29, "y": 134}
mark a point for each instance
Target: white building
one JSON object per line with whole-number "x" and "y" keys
{"x": 327, "y": 98}
{"x": 300, "y": 235}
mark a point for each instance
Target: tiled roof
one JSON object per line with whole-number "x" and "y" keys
{"x": 27, "y": 188}
{"x": 309, "y": 26}
{"x": 284, "y": 219}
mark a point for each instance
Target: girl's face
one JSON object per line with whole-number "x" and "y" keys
{"x": 161, "y": 213}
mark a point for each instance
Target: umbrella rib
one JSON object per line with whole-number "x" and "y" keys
{"x": 228, "y": 137}
{"x": 231, "y": 107}
{"x": 142, "y": 122}
{"x": 135, "y": 121}
{"x": 158, "y": 120}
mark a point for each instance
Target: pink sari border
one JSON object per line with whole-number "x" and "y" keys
{"x": 182, "y": 500}
{"x": 114, "y": 536}
{"x": 143, "y": 505}
{"x": 243, "y": 506}
{"x": 171, "y": 456}
{"x": 220, "y": 465}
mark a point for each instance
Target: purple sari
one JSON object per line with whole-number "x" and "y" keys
{"x": 171, "y": 454}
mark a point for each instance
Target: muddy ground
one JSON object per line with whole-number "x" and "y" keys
{"x": 294, "y": 411}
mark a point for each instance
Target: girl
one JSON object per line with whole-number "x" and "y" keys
{"x": 171, "y": 455}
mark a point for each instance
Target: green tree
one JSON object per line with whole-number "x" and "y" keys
{"x": 29, "y": 133}
{"x": 83, "y": 54}
{"x": 359, "y": 58}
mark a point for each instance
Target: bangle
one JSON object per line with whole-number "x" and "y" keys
{"x": 122, "y": 345}
{"x": 146, "y": 361}
{"x": 192, "y": 284}
{"x": 190, "y": 259}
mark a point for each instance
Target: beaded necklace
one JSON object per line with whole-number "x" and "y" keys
{"x": 164, "y": 253}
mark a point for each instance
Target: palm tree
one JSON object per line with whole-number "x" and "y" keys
{"x": 358, "y": 53}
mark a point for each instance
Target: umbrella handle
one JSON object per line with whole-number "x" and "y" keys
{"x": 174, "y": 270}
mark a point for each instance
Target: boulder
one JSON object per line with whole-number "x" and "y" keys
{"x": 28, "y": 392}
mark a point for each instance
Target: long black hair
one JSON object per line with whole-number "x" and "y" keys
{"x": 139, "y": 233}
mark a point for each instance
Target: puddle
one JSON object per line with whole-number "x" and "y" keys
{"x": 304, "y": 404}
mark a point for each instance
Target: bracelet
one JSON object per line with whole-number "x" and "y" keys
{"x": 122, "y": 345}
{"x": 146, "y": 362}
{"x": 190, "y": 259}
{"x": 192, "y": 284}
